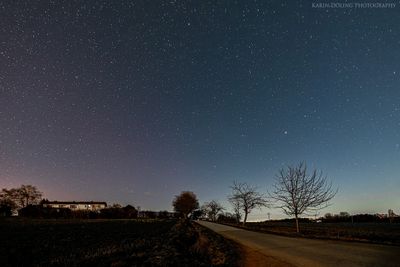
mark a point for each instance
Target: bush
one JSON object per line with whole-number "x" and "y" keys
{"x": 35, "y": 211}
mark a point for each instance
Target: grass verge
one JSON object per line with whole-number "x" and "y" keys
{"x": 377, "y": 233}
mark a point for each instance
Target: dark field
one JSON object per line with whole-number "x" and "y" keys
{"x": 111, "y": 243}
{"x": 383, "y": 233}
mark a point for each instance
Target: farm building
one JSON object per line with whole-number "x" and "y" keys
{"x": 76, "y": 205}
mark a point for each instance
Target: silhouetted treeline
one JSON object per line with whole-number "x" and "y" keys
{"x": 227, "y": 218}
{"x": 345, "y": 218}
{"x": 291, "y": 220}
{"x": 114, "y": 212}
{"x": 127, "y": 212}
{"x": 359, "y": 218}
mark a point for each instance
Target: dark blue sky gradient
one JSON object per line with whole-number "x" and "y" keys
{"x": 133, "y": 102}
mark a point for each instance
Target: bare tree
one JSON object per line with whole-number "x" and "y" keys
{"x": 185, "y": 203}
{"x": 28, "y": 195}
{"x": 297, "y": 192}
{"x": 22, "y": 196}
{"x": 212, "y": 209}
{"x": 246, "y": 198}
{"x": 236, "y": 209}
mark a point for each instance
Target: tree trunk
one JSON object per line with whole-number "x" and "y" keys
{"x": 245, "y": 218}
{"x": 297, "y": 224}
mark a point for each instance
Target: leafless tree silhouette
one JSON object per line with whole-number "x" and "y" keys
{"x": 246, "y": 197}
{"x": 236, "y": 209}
{"x": 297, "y": 192}
{"x": 212, "y": 209}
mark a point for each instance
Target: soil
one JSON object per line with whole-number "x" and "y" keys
{"x": 253, "y": 258}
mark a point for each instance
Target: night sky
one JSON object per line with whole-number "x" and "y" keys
{"x": 135, "y": 101}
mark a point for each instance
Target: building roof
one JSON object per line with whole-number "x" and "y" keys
{"x": 75, "y": 202}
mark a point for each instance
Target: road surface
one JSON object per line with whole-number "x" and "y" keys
{"x": 311, "y": 252}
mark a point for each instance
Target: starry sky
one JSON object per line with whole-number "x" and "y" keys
{"x": 135, "y": 101}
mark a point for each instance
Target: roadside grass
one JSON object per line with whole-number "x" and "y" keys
{"x": 221, "y": 251}
{"x": 41, "y": 242}
{"x": 379, "y": 233}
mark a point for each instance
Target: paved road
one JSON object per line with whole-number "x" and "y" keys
{"x": 311, "y": 252}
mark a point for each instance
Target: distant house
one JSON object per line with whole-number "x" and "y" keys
{"x": 76, "y": 205}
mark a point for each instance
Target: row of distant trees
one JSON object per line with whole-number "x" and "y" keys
{"x": 345, "y": 217}
{"x": 187, "y": 206}
{"x": 27, "y": 200}
{"x": 115, "y": 211}
{"x": 296, "y": 191}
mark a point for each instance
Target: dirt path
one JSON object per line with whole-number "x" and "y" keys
{"x": 281, "y": 250}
